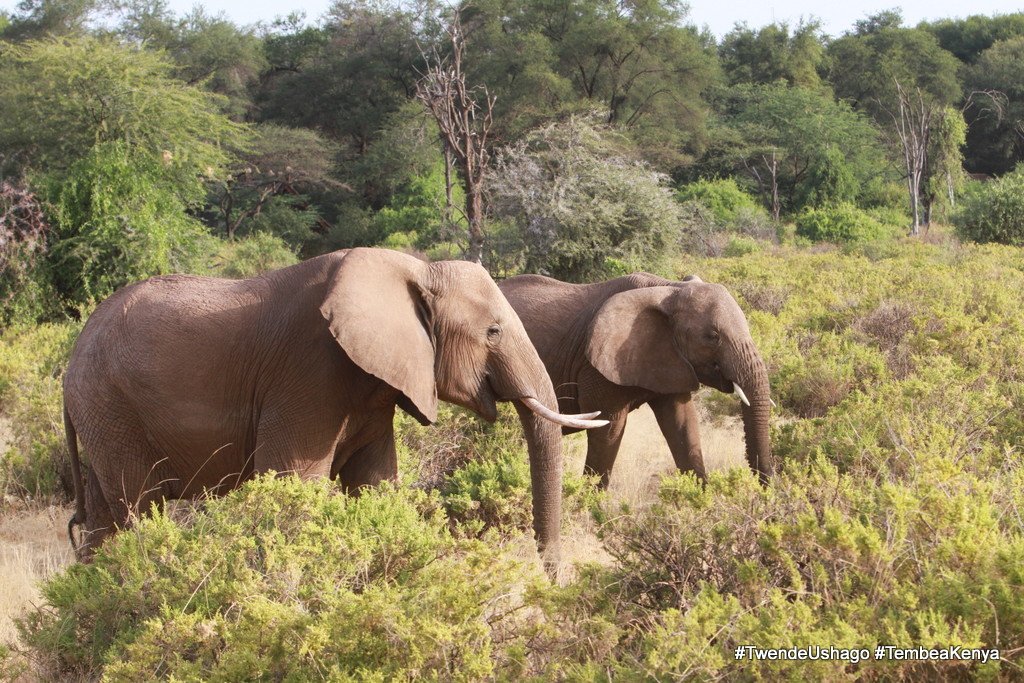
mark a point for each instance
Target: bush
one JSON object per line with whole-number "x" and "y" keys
{"x": 839, "y": 223}
{"x": 482, "y": 470}
{"x": 120, "y": 220}
{"x": 994, "y": 211}
{"x": 252, "y": 255}
{"x": 25, "y": 287}
{"x": 287, "y": 580}
{"x": 32, "y": 363}
{"x": 723, "y": 198}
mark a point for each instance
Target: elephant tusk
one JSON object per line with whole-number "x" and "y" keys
{"x": 739, "y": 392}
{"x": 576, "y": 421}
{"x": 774, "y": 405}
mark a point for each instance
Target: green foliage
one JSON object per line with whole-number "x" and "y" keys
{"x": 994, "y": 212}
{"x": 252, "y": 255}
{"x": 772, "y": 53}
{"x": 62, "y": 97}
{"x": 722, "y": 196}
{"x": 994, "y": 141}
{"x": 119, "y": 219}
{"x": 32, "y": 362}
{"x": 240, "y": 589}
{"x": 25, "y": 290}
{"x": 797, "y": 146}
{"x": 579, "y": 197}
{"x": 817, "y": 557}
{"x": 839, "y": 223}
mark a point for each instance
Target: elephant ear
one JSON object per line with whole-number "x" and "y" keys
{"x": 631, "y": 343}
{"x": 379, "y": 311}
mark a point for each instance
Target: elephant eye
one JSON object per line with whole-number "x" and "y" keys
{"x": 714, "y": 337}
{"x": 493, "y": 332}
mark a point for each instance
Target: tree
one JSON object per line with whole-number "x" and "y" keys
{"x": 905, "y": 81}
{"x": 364, "y": 70}
{"x": 772, "y": 53}
{"x": 281, "y": 163}
{"x": 967, "y": 38}
{"x": 63, "y": 97}
{"x": 208, "y": 51}
{"x": 120, "y": 217}
{"x": 24, "y": 233}
{"x": 798, "y": 146}
{"x": 48, "y": 18}
{"x": 465, "y": 124}
{"x": 995, "y": 137}
{"x": 581, "y": 200}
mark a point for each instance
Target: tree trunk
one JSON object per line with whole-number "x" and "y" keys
{"x": 475, "y": 218}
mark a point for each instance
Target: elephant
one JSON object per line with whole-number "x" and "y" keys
{"x": 181, "y": 386}
{"x": 613, "y": 346}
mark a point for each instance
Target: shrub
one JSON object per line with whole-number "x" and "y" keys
{"x": 25, "y": 288}
{"x": 817, "y": 557}
{"x": 32, "y": 362}
{"x": 579, "y": 195}
{"x": 287, "y": 580}
{"x": 994, "y": 211}
{"x": 482, "y": 470}
{"x": 838, "y": 223}
{"x": 723, "y": 198}
{"x": 119, "y": 220}
{"x": 252, "y": 255}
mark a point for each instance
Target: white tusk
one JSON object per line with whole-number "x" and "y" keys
{"x": 575, "y": 421}
{"x": 773, "y": 403}
{"x": 739, "y": 392}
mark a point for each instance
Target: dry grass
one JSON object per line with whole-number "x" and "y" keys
{"x": 643, "y": 459}
{"x": 33, "y": 545}
{"x": 644, "y": 456}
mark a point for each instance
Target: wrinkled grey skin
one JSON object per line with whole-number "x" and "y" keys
{"x": 614, "y": 346}
{"x": 181, "y": 384}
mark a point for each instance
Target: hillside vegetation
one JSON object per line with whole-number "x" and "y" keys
{"x": 860, "y": 195}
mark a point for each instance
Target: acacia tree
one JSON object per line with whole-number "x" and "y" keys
{"x": 464, "y": 124}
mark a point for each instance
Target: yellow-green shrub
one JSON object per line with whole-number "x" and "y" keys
{"x": 32, "y": 362}
{"x": 287, "y": 580}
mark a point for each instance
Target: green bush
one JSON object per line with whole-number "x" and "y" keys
{"x": 817, "y": 558}
{"x": 994, "y": 211}
{"x": 32, "y": 362}
{"x": 284, "y": 580}
{"x": 723, "y": 197}
{"x": 119, "y": 219}
{"x": 252, "y": 255}
{"x": 842, "y": 222}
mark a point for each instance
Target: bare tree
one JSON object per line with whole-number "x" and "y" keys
{"x": 464, "y": 124}
{"x": 913, "y": 123}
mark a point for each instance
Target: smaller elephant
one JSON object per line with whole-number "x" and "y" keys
{"x": 614, "y": 346}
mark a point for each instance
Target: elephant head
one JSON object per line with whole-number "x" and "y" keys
{"x": 444, "y": 331}
{"x": 671, "y": 339}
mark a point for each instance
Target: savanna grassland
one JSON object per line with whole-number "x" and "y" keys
{"x": 860, "y": 195}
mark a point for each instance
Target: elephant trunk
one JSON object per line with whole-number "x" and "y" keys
{"x": 752, "y": 378}
{"x": 544, "y": 443}
{"x": 520, "y": 376}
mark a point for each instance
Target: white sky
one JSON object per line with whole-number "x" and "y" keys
{"x": 718, "y": 15}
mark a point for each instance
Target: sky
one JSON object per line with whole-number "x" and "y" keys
{"x": 718, "y": 15}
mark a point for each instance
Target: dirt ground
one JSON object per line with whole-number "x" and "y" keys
{"x": 34, "y": 543}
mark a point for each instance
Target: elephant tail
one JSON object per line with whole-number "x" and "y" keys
{"x": 76, "y": 475}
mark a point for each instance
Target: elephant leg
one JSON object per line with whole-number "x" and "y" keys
{"x": 375, "y": 462}
{"x": 299, "y": 444}
{"x": 99, "y": 520}
{"x": 118, "y": 489}
{"x": 603, "y": 446}
{"x": 680, "y": 426}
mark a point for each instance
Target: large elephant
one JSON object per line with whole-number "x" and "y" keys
{"x": 181, "y": 385}
{"x": 613, "y": 346}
